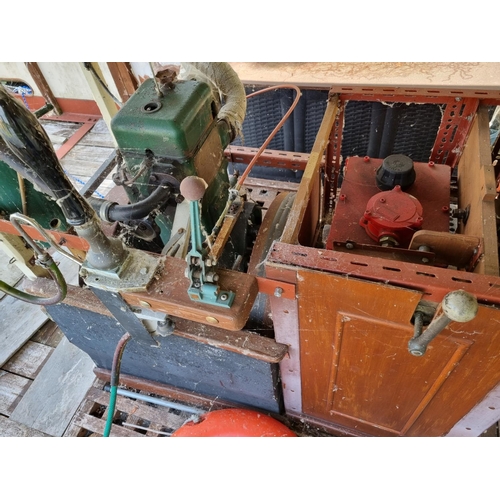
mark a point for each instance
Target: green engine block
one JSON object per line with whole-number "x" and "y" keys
{"x": 173, "y": 135}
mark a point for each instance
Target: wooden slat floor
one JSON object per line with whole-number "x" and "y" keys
{"x": 33, "y": 351}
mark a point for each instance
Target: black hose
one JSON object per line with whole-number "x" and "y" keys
{"x": 112, "y": 212}
{"x": 26, "y": 148}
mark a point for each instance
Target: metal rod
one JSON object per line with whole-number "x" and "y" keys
{"x": 126, "y": 424}
{"x": 156, "y": 401}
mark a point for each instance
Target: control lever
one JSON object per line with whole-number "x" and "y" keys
{"x": 458, "y": 305}
{"x": 26, "y": 148}
{"x": 200, "y": 270}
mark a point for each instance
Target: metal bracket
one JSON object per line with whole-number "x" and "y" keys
{"x": 134, "y": 274}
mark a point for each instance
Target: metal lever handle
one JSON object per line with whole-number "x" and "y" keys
{"x": 457, "y": 306}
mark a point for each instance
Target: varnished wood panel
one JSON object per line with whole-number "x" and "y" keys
{"x": 168, "y": 294}
{"x": 356, "y": 369}
{"x": 376, "y": 381}
{"x": 474, "y": 377}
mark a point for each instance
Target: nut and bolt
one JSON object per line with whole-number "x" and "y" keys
{"x": 278, "y": 292}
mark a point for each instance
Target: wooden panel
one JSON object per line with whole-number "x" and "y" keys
{"x": 125, "y": 81}
{"x": 473, "y": 378}
{"x": 12, "y": 387}
{"x": 477, "y": 188}
{"x": 169, "y": 294}
{"x": 243, "y": 342}
{"x": 9, "y": 428}
{"x": 49, "y": 335}
{"x": 43, "y": 86}
{"x": 375, "y": 380}
{"x": 9, "y": 273}
{"x": 18, "y": 322}
{"x": 29, "y": 360}
{"x": 356, "y": 369}
{"x": 321, "y": 298}
{"x": 55, "y": 394}
{"x": 310, "y": 177}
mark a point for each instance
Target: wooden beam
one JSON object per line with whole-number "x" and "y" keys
{"x": 124, "y": 79}
{"x": 310, "y": 179}
{"x": 105, "y": 102}
{"x": 477, "y": 189}
{"x": 43, "y": 86}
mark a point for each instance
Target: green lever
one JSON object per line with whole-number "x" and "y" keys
{"x": 202, "y": 277}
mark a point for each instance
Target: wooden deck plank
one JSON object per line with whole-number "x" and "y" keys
{"x": 49, "y": 335}
{"x": 9, "y": 428}
{"x": 29, "y": 360}
{"x": 96, "y": 425}
{"x": 54, "y": 396}
{"x": 12, "y": 387}
{"x": 9, "y": 272}
{"x": 18, "y": 322}
{"x": 140, "y": 410}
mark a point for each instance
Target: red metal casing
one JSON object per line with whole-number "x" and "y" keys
{"x": 431, "y": 188}
{"x": 394, "y": 214}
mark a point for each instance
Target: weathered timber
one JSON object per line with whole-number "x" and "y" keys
{"x": 9, "y": 428}
{"x": 12, "y": 387}
{"x": 28, "y": 361}
{"x": 55, "y": 394}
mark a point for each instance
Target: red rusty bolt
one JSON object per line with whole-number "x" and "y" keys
{"x": 366, "y": 158}
{"x": 431, "y": 164}
{"x": 445, "y": 208}
{"x": 343, "y": 197}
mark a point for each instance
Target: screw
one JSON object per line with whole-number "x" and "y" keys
{"x": 278, "y": 292}
{"x": 366, "y": 159}
{"x": 349, "y": 246}
{"x": 223, "y": 296}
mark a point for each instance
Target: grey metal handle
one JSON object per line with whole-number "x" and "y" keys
{"x": 458, "y": 305}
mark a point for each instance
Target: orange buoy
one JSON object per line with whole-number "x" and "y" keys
{"x": 234, "y": 422}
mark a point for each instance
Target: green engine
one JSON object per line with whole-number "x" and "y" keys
{"x": 164, "y": 134}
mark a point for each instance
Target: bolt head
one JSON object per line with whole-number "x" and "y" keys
{"x": 278, "y": 292}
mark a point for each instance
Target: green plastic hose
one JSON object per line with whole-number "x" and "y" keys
{"x": 115, "y": 376}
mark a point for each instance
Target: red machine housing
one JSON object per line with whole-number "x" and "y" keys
{"x": 392, "y": 214}
{"x": 399, "y": 216}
